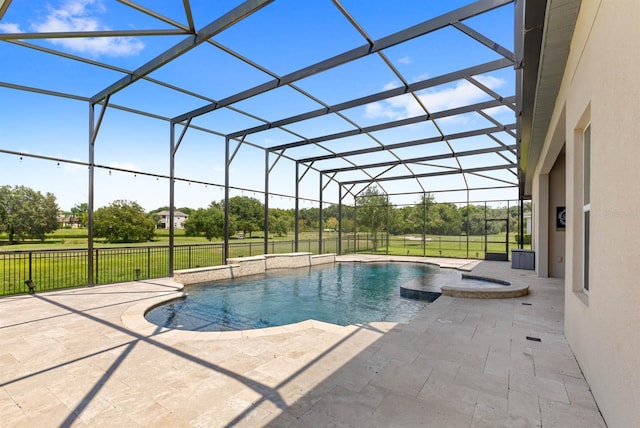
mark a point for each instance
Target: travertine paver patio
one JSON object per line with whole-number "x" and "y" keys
{"x": 86, "y": 357}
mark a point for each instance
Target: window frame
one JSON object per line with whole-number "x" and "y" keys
{"x": 586, "y": 205}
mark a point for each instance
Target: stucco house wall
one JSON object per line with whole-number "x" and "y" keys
{"x": 600, "y": 87}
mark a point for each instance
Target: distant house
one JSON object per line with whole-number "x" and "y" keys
{"x": 65, "y": 220}
{"x": 178, "y": 219}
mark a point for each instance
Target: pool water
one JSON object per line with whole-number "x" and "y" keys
{"x": 342, "y": 294}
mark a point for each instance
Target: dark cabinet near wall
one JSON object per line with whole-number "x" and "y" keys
{"x": 523, "y": 259}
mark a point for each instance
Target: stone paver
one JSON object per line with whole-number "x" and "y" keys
{"x": 87, "y": 357}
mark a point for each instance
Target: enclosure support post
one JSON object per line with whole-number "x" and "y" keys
{"x": 388, "y": 222}
{"x": 296, "y": 227}
{"x": 507, "y": 238}
{"x": 424, "y": 225}
{"x": 519, "y": 54}
{"x": 90, "y": 201}
{"x": 320, "y": 219}
{"x": 485, "y": 231}
{"x": 225, "y": 252}
{"x": 174, "y": 145}
{"x": 266, "y": 201}
{"x": 339, "y": 219}
{"x": 355, "y": 225}
{"x": 172, "y": 163}
{"x": 94, "y": 128}
{"x": 468, "y": 223}
{"x": 521, "y": 220}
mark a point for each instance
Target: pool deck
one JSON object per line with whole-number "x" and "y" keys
{"x": 86, "y": 357}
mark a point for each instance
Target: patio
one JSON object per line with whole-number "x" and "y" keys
{"x": 85, "y": 357}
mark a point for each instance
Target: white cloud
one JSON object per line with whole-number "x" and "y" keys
{"x": 391, "y": 85}
{"x": 405, "y": 60}
{"x": 9, "y": 27}
{"x": 379, "y": 109}
{"x": 83, "y": 15}
{"x": 423, "y": 76}
{"x": 463, "y": 93}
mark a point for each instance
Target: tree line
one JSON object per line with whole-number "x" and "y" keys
{"x": 28, "y": 214}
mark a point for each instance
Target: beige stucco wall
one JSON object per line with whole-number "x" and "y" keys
{"x": 601, "y": 86}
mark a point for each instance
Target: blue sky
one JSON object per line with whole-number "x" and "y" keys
{"x": 283, "y": 37}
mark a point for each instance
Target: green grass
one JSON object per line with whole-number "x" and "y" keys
{"x": 77, "y": 239}
{"x": 437, "y": 246}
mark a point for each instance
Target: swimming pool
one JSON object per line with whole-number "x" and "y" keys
{"x": 343, "y": 294}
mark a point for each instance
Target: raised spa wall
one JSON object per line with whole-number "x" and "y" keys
{"x": 243, "y": 266}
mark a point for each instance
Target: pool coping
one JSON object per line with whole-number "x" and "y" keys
{"x": 510, "y": 290}
{"x": 134, "y": 316}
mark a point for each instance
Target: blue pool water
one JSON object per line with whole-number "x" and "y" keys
{"x": 342, "y": 294}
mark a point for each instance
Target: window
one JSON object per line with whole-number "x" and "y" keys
{"x": 586, "y": 208}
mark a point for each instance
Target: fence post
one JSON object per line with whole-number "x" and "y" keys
{"x": 96, "y": 266}
{"x": 30, "y": 264}
{"x": 149, "y": 262}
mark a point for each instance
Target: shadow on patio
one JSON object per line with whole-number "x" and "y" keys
{"x": 68, "y": 359}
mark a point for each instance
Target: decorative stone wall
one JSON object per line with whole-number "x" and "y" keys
{"x": 243, "y": 266}
{"x": 321, "y": 259}
{"x": 205, "y": 274}
{"x": 287, "y": 261}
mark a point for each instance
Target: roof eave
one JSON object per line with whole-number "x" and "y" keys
{"x": 547, "y": 38}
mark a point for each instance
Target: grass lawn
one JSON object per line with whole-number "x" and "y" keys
{"x": 77, "y": 239}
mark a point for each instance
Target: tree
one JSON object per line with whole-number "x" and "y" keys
{"x": 208, "y": 222}
{"x": 278, "y": 225}
{"x": 26, "y": 213}
{"x": 123, "y": 221}
{"x": 451, "y": 220}
{"x": 309, "y": 218}
{"x": 247, "y": 212}
{"x": 347, "y": 225}
{"x": 80, "y": 213}
{"x": 281, "y": 221}
{"x": 416, "y": 218}
{"x": 186, "y": 210}
{"x": 332, "y": 223}
{"x": 372, "y": 211}
{"x": 157, "y": 210}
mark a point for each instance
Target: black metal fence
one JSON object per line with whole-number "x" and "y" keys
{"x": 472, "y": 247}
{"x": 55, "y": 269}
